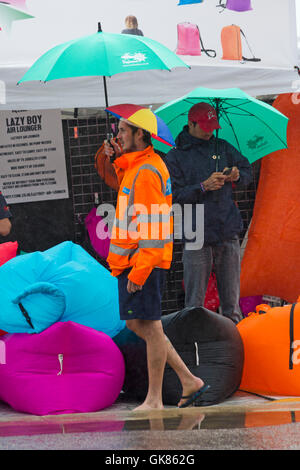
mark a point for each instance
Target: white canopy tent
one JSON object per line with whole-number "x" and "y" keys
{"x": 270, "y": 28}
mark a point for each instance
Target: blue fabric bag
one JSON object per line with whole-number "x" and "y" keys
{"x": 188, "y": 2}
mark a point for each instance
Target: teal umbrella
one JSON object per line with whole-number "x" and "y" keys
{"x": 252, "y": 126}
{"x": 103, "y": 54}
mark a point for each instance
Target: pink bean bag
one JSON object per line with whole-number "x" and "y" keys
{"x": 68, "y": 368}
{"x": 98, "y": 233}
{"x": 8, "y": 251}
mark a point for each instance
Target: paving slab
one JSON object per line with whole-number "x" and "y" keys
{"x": 242, "y": 422}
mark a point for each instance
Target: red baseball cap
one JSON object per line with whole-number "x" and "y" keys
{"x": 205, "y": 115}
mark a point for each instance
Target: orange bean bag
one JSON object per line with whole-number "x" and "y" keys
{"x": 255, "y": 419}
{"x": 271, "y": 260}
{"x": 271, "y": 342}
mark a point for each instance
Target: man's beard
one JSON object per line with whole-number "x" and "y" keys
{"x": 132, "y": 147}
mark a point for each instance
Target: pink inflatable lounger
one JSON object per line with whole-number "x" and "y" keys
{"x": 67, "y": 368}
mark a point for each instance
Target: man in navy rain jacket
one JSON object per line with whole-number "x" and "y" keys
{"x": 198, "y": 181}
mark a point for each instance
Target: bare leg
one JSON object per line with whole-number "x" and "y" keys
{"x": 160, "y": 351}
{"x": 152, "y": 333}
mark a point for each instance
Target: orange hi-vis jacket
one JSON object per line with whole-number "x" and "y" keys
{"x": 142, "y": 234}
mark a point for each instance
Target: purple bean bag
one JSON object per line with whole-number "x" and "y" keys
{"x": 68, "y": 368}
{"x": 98, "y": 233}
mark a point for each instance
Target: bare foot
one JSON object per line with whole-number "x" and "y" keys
{"x": 157, "y": 424}
{"x": 191, "y": 388}
{"x": 189, "y": 422}
{"x": 148, "y": 407}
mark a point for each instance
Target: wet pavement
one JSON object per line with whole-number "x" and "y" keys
{"x": 243, "y": 422}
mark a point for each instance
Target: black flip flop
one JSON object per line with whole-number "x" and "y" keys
{"x": 194, "y": 396}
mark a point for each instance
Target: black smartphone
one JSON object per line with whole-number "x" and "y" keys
{"x": 111, "y": 136}
{"x": 227, "y": 171}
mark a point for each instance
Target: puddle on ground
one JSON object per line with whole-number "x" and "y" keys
{"x": 190, "y": 421}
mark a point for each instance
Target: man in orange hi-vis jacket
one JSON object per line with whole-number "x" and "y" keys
{"x": 140, "y": 252}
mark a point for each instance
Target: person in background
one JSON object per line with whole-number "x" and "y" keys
{"x": 132, "y": 26}
{"x": 5, "y": 215}
{"x": 196, "y": 181}
{"x": 141, "y": 252}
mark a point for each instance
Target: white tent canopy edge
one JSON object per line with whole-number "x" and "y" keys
{"x": 143, "y": 87}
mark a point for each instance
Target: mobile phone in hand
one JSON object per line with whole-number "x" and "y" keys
{"x": 227, "y": 171}
{"x": 108, "y": 140}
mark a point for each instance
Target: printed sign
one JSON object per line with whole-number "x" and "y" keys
{"x": 32, "y": 157}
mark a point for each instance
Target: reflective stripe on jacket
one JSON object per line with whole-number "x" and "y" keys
{"x": 142, "y": 234}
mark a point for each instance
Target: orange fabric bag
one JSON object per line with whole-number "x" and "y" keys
{"x": 272, "y": 351}
{"x": 231, "y": 42}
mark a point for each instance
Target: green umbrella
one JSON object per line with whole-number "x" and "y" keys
{"x": 103, "y": 54}
{"x": 252, "y": 126}
{"x": 8, "y": 14}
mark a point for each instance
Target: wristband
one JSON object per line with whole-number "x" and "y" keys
{"x": 202, "y": 188}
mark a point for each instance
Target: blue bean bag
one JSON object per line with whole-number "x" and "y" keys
{"x": 63, "y": 283}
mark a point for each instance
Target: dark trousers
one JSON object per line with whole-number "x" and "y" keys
{"x": 197, "y": 269}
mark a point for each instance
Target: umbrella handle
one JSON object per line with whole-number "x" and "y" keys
{"x": 217, "y": 107}
{"x": 216, "y": 192}
{"x": 108, "y": 137}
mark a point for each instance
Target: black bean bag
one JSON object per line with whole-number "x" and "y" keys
{"x": 209, "y": 344}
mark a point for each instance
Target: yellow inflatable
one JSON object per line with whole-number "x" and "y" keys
{"x": 271, "y": 338}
